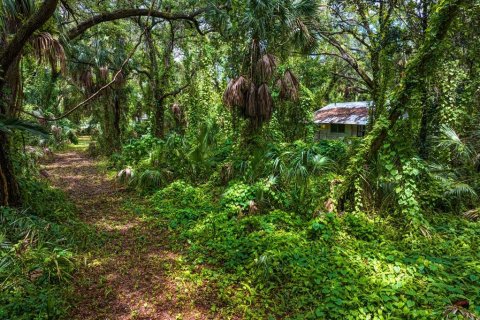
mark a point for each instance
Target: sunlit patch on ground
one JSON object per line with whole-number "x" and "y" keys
{"x": 130, "y": 274}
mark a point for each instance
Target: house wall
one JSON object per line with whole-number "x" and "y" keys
{"x": 323, "y": 132}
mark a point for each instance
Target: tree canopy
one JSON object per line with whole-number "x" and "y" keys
{"x": 202, "y": 115}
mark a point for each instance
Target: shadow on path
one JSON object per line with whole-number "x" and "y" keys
{"x": 127, "y": 275}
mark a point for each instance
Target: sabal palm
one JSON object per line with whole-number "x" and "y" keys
{"x": 269, "y": 27}
{"x": 297, "y": 164}
{"x": 283, "y": 20}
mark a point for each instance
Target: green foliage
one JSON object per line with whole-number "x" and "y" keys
{"x": 7, "y": 125}
{"x": 37, "y": 254}
{"x": 380, "y": 227}
{"x": 238, "y": 197}
{"x": 276, "y": 264}
{"x": 138, "y": 149}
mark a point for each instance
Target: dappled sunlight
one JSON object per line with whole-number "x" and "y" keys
{"x": 129, "y": 274}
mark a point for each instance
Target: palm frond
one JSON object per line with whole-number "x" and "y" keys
{"x": 265, "y": 102}
{"x": 149, "y": 179}
{"x": 8, "y": 125}
{"x": 125, "y": 176}
{"x": 473, "y": 215}
{"x": 234, "y": 95}
{"x": 47, "y": 49}
{"x": 266, "y": 66}
{"x": 460, "y": 189}
{"x": 251, "y": 103}
{"x": 451, "y": 140}
{"x": 288, "y": 86}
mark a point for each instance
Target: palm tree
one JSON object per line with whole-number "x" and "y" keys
{"x": 269, "y": 26}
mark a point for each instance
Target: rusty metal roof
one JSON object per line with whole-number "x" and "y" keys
{"x": 346, "y": 112}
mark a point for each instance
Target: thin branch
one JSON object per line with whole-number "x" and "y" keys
{"x": 346, "y": 56}
{"x": 353, "y": 79}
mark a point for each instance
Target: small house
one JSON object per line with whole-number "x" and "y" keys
{"x": 341, "y": 120}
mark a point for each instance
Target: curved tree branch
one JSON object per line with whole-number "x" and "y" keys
{"x": 179, "y": 89}
{"x": 128, "y": 13}
{"x": 15, "y": 46}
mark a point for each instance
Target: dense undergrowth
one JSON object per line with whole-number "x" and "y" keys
{"x": 256, "y": 227}
{"x": 278, "y": 264}
{"x": 38, "y": 253}
{"x": 213, "y": 110}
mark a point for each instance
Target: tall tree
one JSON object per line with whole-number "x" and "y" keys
{"x": 422, "y": 64}
{"x": 269, "y": 27}
{"x": 9, "y": 59}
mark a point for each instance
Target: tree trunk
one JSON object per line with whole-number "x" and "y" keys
{"x": 111, "y": 125}
{"x": 423, "y": 147}
{"x": 422, "y": 143}
{"x": 9, "y": 57}
{"x": 9, "y": 191}
{"x": 159, "y": 117}
{"x": 117, "y": 118}
{"x": 159, "y": 84}
{"x": 421, "y": 66}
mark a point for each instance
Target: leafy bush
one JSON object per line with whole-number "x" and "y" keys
{"x": 238, "y": 197}
{"x": 362, "y": 227}
{"x": 138, "y": 149}
{"x": 336, "y": 150}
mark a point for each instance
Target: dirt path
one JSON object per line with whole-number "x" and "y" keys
{"x": 128, "y": 275}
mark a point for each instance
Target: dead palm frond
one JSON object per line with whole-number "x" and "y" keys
{"x": 86, "y": 79}
{"x": 251, "y": 103}
{"x": 265, "y": 102}
{"x": 47, "y": 49}
{"x": 177, "y": 111}
{"x": 453, "y": 311}
{"x": 292, "y": 85}
{"x": 473, "y": 215}
{"x": 266, "y": 66}
{"x": 119, "y": 80}
{"x": 288, "y": 86}
{"x": 125, "y": 176}
{"x": 103, "y": 72}
{"x": 234, "y": 95}
{"x": 302, "y": 35}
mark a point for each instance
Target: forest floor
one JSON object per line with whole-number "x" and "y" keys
{"x": 129, "y": 272}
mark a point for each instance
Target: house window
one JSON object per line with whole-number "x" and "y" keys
{"x": 360, "y": 130}
{"x": 337, "y": 128}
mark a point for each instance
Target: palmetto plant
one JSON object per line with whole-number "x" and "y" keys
{"x": 460, "y": 174}
{"x": 297, "y": 165}
{"x": 8, "y": 125}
